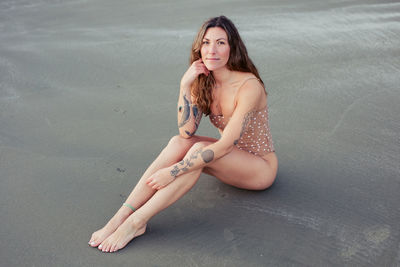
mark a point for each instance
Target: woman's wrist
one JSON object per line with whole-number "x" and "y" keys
{"x": 185, "y": 92}
{"x": 184, "y": 88}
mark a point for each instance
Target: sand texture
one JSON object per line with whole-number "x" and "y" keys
{"x": 88, "y": 92}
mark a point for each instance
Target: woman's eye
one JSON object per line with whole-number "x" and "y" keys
{"x": 205, "y": 42}
{"x": 221, "y": 43}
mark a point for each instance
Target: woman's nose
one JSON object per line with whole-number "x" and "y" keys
{"x": 213, "y": 49}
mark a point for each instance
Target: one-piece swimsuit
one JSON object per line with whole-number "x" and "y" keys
{"x": 256, "y": 137}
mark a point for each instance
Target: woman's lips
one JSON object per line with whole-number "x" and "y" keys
{"x": 212, "y": 58}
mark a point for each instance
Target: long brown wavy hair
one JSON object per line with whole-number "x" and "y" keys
{"x": 238, "y": 61}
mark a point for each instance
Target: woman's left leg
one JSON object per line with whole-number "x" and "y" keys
{"x": 135, "y": 224}
{"x": 176, "y": 149}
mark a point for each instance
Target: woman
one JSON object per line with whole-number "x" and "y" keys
{"x": 221, "y": 82}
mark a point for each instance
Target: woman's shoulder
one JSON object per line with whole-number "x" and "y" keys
{"x": 240, "y": 76}
{"x": 250, "y": 88}
{"x": 251, "y": 91}
{"x": 249, "y": 82}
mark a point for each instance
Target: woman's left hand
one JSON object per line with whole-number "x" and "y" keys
{"x": 160, "y": 179}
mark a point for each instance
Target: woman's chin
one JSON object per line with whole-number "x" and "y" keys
{"x": 213, "y": 67}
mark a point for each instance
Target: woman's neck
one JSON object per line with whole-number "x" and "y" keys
{"x": 222, "y": 76}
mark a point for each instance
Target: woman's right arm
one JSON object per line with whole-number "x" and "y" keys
{"x": 189, "y": 115}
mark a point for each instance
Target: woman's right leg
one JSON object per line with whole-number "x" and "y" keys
{"x": 174, "y": 152}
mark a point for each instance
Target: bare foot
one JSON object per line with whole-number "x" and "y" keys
{"x": 131, "y": 228}
{"x": 100, "y": 235}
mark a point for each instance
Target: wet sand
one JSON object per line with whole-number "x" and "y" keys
{"x": 88, "y": 94}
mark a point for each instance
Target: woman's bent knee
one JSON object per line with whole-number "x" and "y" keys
{"x": 199, "y": 145}
{"x": 178, "y": 141}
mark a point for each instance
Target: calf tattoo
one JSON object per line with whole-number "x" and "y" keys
{"x": 183, "y": 166}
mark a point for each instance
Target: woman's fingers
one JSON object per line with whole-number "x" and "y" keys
{"x": 150, "y": 182}
{"x": 202, "y": 69}
{"x": 193, "y": 72}
{"x": 206, "y": 71}
{"x": 154, "y": 184}
{"x": 157, "y": 187}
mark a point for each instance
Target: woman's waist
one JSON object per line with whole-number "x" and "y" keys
{"x": 261, "y": 142}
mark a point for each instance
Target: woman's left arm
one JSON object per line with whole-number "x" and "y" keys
{"x": 247, "y": 100}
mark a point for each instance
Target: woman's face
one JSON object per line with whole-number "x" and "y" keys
{"x": 215, "y": 48}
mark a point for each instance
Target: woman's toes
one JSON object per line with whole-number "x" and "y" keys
{"x": 107, "y": 248}
{"x": 92, "y": 242}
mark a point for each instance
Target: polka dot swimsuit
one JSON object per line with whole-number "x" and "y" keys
{"x": 256, "y": 138}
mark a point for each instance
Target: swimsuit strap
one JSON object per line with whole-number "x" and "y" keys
{"x": 242, "y": 85}
{"x": 249, "y": 78}
{"x": 246, "y": 81}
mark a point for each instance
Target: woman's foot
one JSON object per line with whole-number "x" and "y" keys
{"x": 100, "y": 235}
{"x": 131, "y": 228}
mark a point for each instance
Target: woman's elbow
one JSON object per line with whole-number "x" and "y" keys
{"x": 185, "y": 133}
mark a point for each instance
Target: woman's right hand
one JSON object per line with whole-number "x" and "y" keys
{"x": 193, "y": 71}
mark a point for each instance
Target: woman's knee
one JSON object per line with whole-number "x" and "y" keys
{"x": 199, "y": 145}
{"x": 178, "y": 141}
{"x": 188, "y": 146}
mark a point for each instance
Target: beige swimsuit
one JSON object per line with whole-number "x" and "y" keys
{"x": 256, "y": 138}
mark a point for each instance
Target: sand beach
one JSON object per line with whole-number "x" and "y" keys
{"x": 88, "y": 93}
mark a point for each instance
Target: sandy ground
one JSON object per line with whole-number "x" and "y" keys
{"x": 88, "y": 94}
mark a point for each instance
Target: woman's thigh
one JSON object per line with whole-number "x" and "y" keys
{"x": 243, "y": 170}
{"x": 238, "y": 168}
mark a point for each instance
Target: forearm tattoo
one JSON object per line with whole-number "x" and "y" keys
{"x": 197, "y": 117}
{"x": 183, "y": 166}
{"x": 186, "y": 110}
{"x": 207, "y": 155}
{"x": 246, "y": 121}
